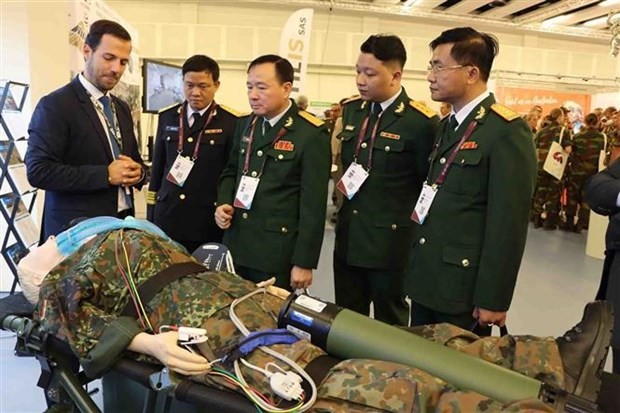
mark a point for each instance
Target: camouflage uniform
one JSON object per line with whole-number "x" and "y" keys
{"x": 583, "y": 164}
{"x": 81, "y": 299}
{"x": 548, "y": 189}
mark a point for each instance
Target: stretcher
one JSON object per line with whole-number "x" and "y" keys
{"x": 64, "y": 386}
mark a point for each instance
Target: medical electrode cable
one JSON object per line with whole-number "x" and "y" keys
{"x": 239, "y": 324}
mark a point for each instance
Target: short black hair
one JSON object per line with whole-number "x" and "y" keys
{"x": 202, "y": 63}
{"x": 555, "y": 114}
{"x": 386, "y": 47}
{"x": 470, "y": 47}
{"x": 284, "y": 68}
{"x": 101, "y": 27}
{"x": 591, "y": 119}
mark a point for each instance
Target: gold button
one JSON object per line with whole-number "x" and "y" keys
{"x": 182, "y": 196}
{"x": 211, "y": 142}
{"x": 244, "y": 215}
{"x": 284, "y": 230}
{"x": 168, "y": 138}
{"x": 422, "y": 241}
{"x": 364, "y": 145}
{"x": 465, "y": 262}
{"x": 394, "y": 226}
{"x": 242, "y": 151}
{"x": 442, "y": 161}
{"x": 387, "y": 148}
{"x": 462, "y": 161}
{"x": 190, "y": 139}
{"x": 254, "y": 173}
{"x": 259, "y": 153}
{"x": 280, "y": 156}
{"x": 215, "y": 204}
{"x": 355, "y": 212}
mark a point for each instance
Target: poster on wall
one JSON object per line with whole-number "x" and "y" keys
{"x": 81, "y": 14}
{"x": 523, "y": 99}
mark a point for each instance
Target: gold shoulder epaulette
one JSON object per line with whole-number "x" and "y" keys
{"x": 151, "y": 197}
{"x": 352, "y": 99}
{"x": 232, "y": 111}
{"x": 504, "y": 112}
{"x": 165, "y": 108}
{"x": 311, "y": 118}
{"x": 422, "y": 108}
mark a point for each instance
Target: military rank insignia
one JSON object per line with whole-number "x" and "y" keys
{"x": 289, "y": 122}
{"x": 286, "y": 146}
{"x": 400, "y": 108}
{"x": 481, "y": 113}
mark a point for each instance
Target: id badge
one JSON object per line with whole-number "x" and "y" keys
{"x": 180, "y": 170}
{"x": 352, "y": 180}
{"x": 424, "y": 203}
{"x": 245, "y": 192}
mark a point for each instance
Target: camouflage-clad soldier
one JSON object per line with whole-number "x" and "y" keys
{"x": 81, "y": 301}
{"x": 584, "y": 160}
{"x": 546, "y": 203}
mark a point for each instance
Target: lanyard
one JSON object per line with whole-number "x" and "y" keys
{"x": 360, "y": 138}
{"x": 182, "y": 129}
{"x": 248, "y": 150}
{"x": 444, "y": 172}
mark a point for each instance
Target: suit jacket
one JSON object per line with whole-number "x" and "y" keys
{"x": 186, "y": 213}
{"x": 374, "y": 228}
{"x": 285, "y": 224}
{"x": 468, "y": 251}
{"x": 69, "y": 153}
{"x": 601, "y": 192}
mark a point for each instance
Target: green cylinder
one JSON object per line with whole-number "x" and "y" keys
{"x": 355, "y": 336}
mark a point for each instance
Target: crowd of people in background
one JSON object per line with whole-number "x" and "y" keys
{"x": 589, "y": 144}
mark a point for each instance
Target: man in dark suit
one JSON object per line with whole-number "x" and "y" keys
{"x": 82, "y": 149}
{"x": 602, "y": 193}
{"x": 273, "y": 192}
{"x": 473, "y": 212}
{"x": 390, "y": 136}
{"x": 200, "y": 131}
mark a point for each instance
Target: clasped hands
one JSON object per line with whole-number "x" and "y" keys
{"x": 124, "y": 171}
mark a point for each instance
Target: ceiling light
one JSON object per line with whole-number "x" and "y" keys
{"x": 608, "y": 3}
{"x": 601, "y": 21}
{"x": 555, "y": 20}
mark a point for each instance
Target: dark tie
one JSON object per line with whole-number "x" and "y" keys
{"x": 107, "y": 110}
{"x": 266, "y": 127}
{"x": 452, "y": 123}
{"x": 195, "y": 119}
{"x": 374, "y": 115}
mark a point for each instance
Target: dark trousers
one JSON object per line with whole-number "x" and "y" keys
{"x": 609, "y": 290}
{"x": 422, "y": 315}
{"x": 283, "y": 280}
{"x": 357, "y": 287}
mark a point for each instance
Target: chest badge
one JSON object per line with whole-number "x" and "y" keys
{"x": 389, "y": 135}
{"x": 469, "y": 145}
{"x": 286, "y": 146}
{"x": 349, "y": 127}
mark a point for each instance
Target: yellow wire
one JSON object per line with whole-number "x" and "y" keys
{"x": 133, "y": 285}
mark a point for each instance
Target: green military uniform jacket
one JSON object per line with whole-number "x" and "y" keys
{"x": 469, "y": 249}
{"x": 374, "y": 228}
{"x": 285, "y": 224}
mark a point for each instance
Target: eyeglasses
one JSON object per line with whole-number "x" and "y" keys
{"x": 437, "y": 69}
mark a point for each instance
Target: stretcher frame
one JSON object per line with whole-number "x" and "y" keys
{"x": 64, "y": 387}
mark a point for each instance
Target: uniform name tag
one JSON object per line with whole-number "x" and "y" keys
{"x": 245, "y": 192}
{"x": 172, "y": 128}
{"x": 420, "y": 212}
{"x": 180, "y": 170}
{"x": 352, "y": 180}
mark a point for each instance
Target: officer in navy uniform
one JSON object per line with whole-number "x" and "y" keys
{"x": 181, "y": 198}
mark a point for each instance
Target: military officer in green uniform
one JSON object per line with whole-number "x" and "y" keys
{"x": 473, "y": 211}
{"x": 272, "y": 194}
{"x": 181, "y": 200}
{"x": 388, "y": 137}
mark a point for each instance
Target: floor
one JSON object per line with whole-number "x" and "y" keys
{"x": 555, "y": 281}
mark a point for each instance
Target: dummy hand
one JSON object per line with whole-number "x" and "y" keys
{"x": 487, "y": 317}
{"x": 301, "y": 277}
{"x": 165, "y": 349}
{"x": 223, "y": 215}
